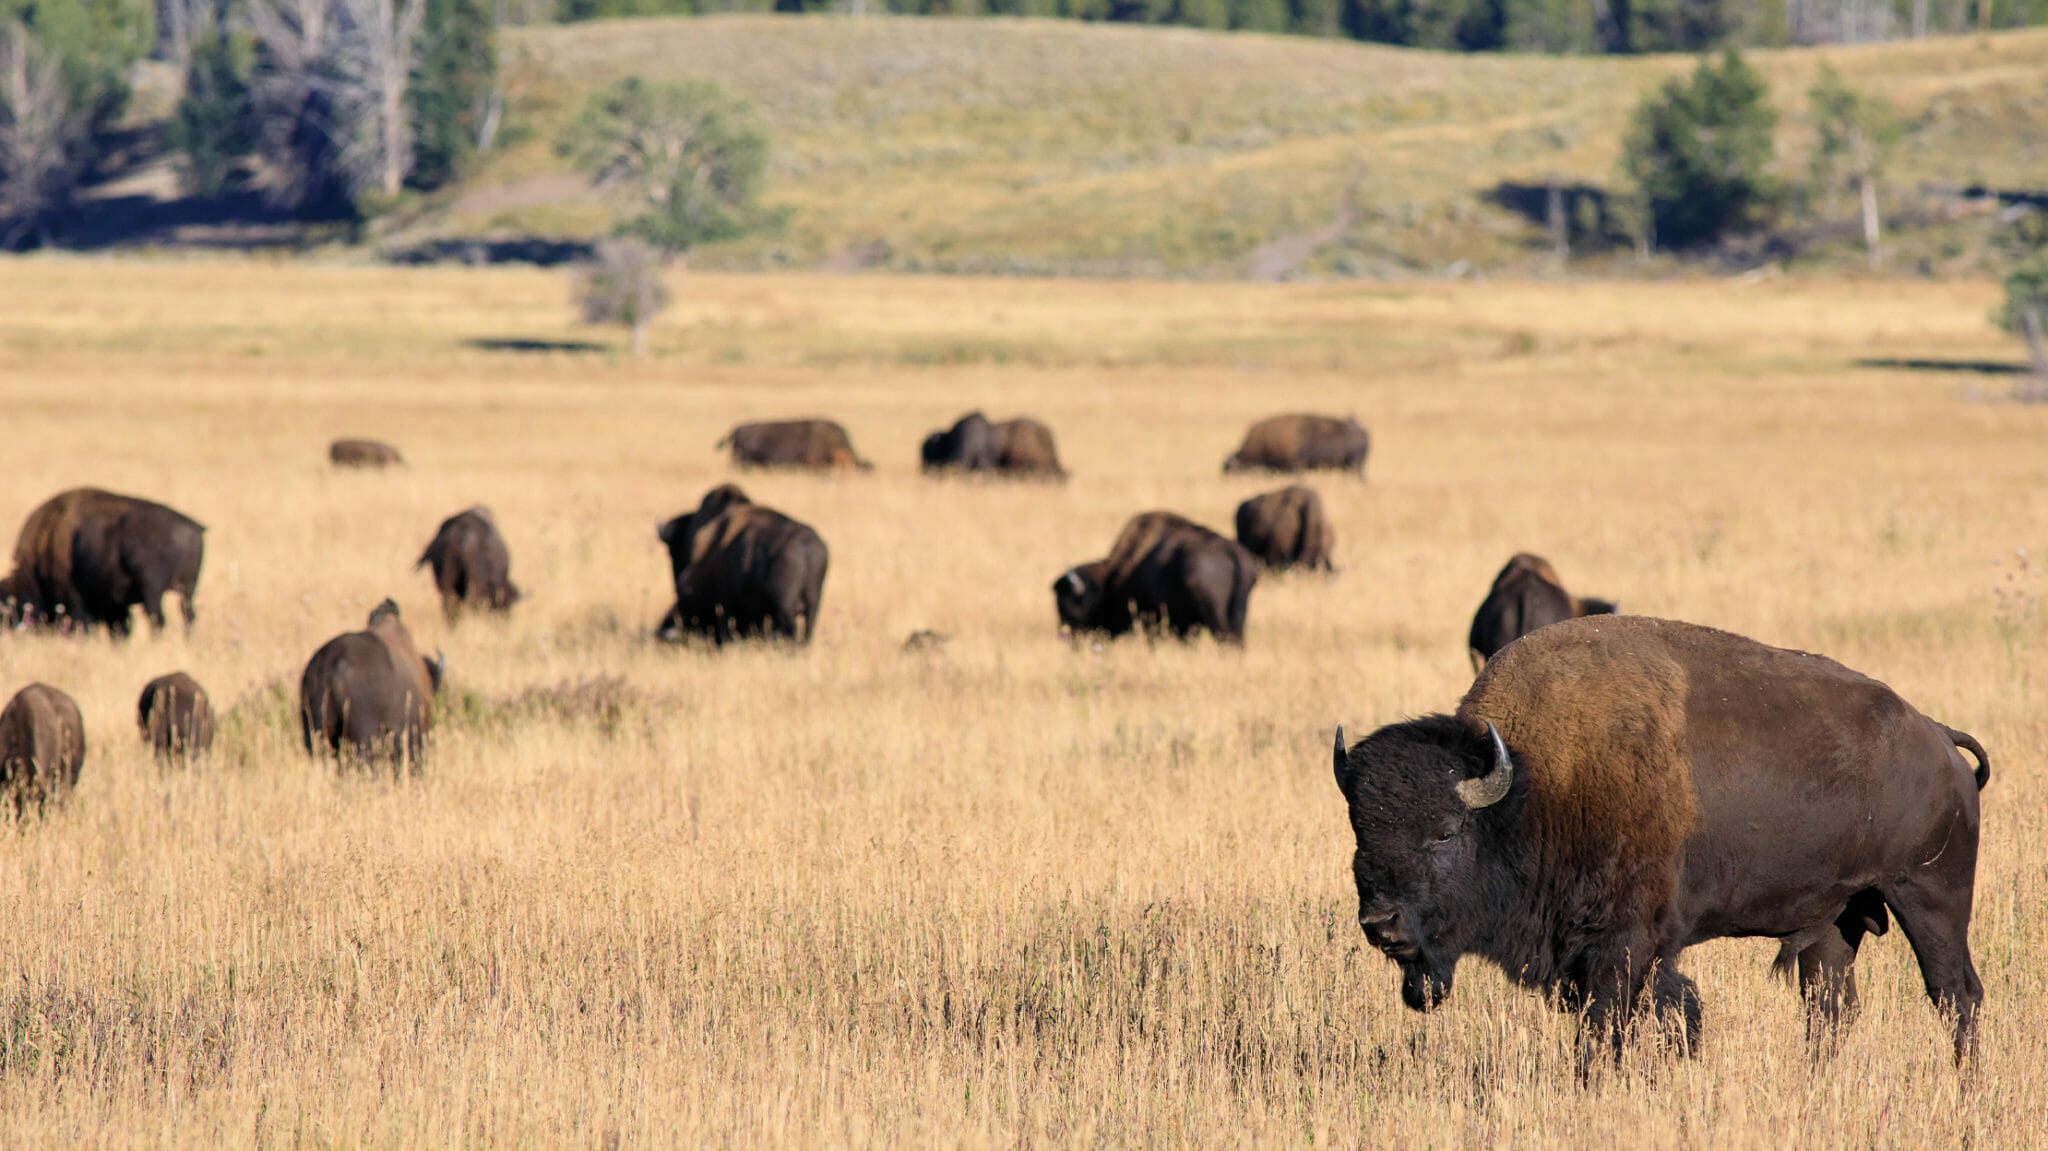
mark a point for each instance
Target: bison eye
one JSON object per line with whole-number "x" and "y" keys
{"x": 1444, "y": 836}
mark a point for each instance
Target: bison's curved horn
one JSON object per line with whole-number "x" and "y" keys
{"x": 1074, "y": 581}
{"x": 1342, "y": 760}
{"x": 1493, "y": 787}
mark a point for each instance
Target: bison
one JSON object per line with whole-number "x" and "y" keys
{"x": 369, "y": 694}
{"x": 1526, "y": 595}
{"x": 817, "y": 445}
{"x": 1020, "y": 447}
{"x": 1286, "y": 529}
{"x": 86, "y": 557}
{"x": 1612, "y": 791}
{"x": 1163, "y": 572}
{"x": 471, "y": 564}
{"x": 1300, "y": 443}
{"x": 742, "y": 569}
{"x": 362, "y": 454}
{"x": 42, "y": 748}
{"x": 175, "y": 716}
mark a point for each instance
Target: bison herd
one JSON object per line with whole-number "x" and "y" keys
{"x": 1610, "y": 791}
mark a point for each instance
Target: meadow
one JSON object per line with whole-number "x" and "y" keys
{"x": 1014, "y": 892}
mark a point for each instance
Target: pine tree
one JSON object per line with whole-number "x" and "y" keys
{"x": 1699, "y": 150}
{"x": 451, "y": 92}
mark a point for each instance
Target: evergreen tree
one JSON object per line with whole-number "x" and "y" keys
{"x": 1698, "y": 152}
{"x": 215, "y": 124}
{"x": 451, "y": 92}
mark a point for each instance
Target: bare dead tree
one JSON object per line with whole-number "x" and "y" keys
{"x": 39, "y": 133}
{"x": 372, "y": 66}
{"x": 297, "y": 39}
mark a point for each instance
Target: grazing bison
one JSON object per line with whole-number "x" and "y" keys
{"x": 741, "y": 570}
{"x": 1019, "y": 447}
{"x": 42, "y": 748}
{"x": 1286, "y": 529}
{"x": 1612, "y": 791}
{"x": 471, "y": 564}
{"x": 362, "y": 454}
{"x": 369, "y": 694}
{"x": 86, "y": 557}
{"x": 175, "y": 716}
{"x": 1526, "y": 595}
{"x": 818, "y": 445}
{"x": 1302, "y": 443}
{"x": 1163, "y": 572}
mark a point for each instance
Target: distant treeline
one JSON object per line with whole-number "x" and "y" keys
{"x": 1576, "y": 26}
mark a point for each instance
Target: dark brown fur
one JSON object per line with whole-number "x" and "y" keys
{"x": 87, "y": 557}
{"x": 1163, "y": 573}
{"x": 1020, "y": 447}
{"x": 1669, "y": 784}
{"x": 1286, "y": 529}
{"x": 42, "y": 748}
{"x": 176, "y": 717}
{"x": 817, "y": 445}
{"x": 368, "y": 695}
{"x": 472, "y": 566}
{"x": 1299, "y": 443}
{"x": 362, "y": 454}
{"x": 741, "y": 570}
{"x": 1526, "y": 595}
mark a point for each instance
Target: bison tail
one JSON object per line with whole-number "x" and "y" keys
{"x": 1968, "y": 742}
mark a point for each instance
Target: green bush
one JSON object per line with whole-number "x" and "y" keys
{"x": 2025, "y": 311}
{"x": 1699, "y": 151}
{"x": 215, "y": 124}
{"x": 691, "y": 157}
{"x": 451, "y": 91}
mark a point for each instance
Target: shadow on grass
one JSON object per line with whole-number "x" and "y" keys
{"x": 1981, "y": 367}
{"x": 495, "y": 344}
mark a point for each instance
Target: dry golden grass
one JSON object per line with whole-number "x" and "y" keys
{"x": 1014, "y": 892}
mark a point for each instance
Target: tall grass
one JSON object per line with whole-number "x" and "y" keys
{"x": 1012, "y": 891}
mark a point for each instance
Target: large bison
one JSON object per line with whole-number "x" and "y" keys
{"x": 1286, "y": 529}
{"x": 1162, "y": 573}
{"x": 817, "y": 445}
{"x": 1019, "y": 447}
{"x": 1525, "y": 595}
{"x": 1300, "y": 443}
{"x": 175, "y": 717}
{"x": 471, "y": 564}
{"x": 741, "y": 570}
{"x": 370, "y": 694}
{"x": 86, "y": 557}
{"x": 42, "y": 748}
{"x": 362, "y": 454}
{"x": 1612, "y": 791}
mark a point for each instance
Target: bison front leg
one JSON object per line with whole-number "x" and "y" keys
{"x": 1677, "y": 1002}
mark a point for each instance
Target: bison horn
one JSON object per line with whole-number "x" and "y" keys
{"x": 1342, "y": 760}
{"x": 1493, "y": 787}
{"x": 1074, "y": 582}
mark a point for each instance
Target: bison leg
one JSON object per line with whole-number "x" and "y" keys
{"x": 1933, "y": 906}
{"x": 1677, "y": 1001}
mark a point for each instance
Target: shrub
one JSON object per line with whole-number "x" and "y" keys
{"x": 215, "y": 124}
{"x": 689, "y": 156}
{"x": 623, "y": 285}
{"x": 1698, "y": 151}
{"x": 2025, "y": 312}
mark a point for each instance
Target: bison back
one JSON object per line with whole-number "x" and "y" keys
{"x": 42, "y": 747}
{"x": 1026, "y": 447}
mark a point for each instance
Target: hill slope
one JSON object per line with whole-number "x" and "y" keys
{"x": 1059, "y": 147}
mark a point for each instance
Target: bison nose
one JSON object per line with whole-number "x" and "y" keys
{"x": 1371, "y": 919}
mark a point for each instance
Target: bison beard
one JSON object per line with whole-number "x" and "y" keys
{"x": 1614, "y": 790}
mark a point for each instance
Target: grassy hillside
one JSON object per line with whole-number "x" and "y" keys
{"x": 1044, "y": 146}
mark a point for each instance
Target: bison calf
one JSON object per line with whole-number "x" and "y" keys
{"x": 1525, "y": 595}
{"x": 741, "y": 569}
{"x": 817, "y": 445}
{"x": 362, "y": 454}
{"x": 1612, "y": 791}
{"x": 42, "y": 748}
{"x": 472, "y": 566}
{"x": 369, "y": 694}
{"x": 1020, "y": 447}
{"x": 1286, "y": 529}
{"x": 176, "y": 718}
{"x": 88, "y": 557}
{"x": 1300, "y": 443}
{"x": 1163, "y": 573}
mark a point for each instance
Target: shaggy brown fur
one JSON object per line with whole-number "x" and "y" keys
{"x": 1163, "y": 572}
{"x": 176, "y": 717}
{"x": 1526, "y": 595}
{"x": 1295, "y": 443}
{"x": 369, "y": 695}
{"x": 42, "y": 748}
{"x": 472, "y": 566}
{"x": 1286, "y": 528}
{"x": 818, "y": 445}
{"x": 87, "y": 556}
{"x": 741, "y": 569}
{"x": 362, "y": 454}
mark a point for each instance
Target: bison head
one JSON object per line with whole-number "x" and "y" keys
{"x": 1423, "y": 799}
{"x": 937, "y": 451}
{"x": 1078, "y": 595}
{"x": 1587, "y": 605}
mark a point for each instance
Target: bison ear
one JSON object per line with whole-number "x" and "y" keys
{"x": 1342, "y": 760}
{"x": 1492, "y": 787}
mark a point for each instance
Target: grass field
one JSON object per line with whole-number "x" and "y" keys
{"x": 1029, "y": 146}
{"x": 1013, "y": 892}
